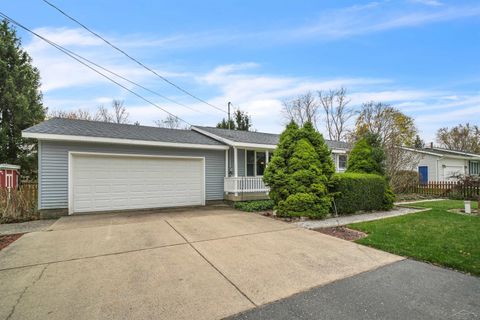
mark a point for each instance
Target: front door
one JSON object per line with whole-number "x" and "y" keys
{"x": 423, "y": 174}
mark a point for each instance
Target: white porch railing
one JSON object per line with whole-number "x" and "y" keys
{"x": 244, "y": 184}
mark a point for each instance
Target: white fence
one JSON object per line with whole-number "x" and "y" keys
{"x": 244, "y": 184}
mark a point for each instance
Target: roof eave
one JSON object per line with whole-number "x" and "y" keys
{"x": 466, "y": 154}
{"x": 440, "y": 155}
{"x": 73, "y": 138}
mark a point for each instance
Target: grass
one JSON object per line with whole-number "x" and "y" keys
{"x": 436, "y": 236}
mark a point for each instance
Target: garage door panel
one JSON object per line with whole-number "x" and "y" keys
{"x": 102, "y": 183}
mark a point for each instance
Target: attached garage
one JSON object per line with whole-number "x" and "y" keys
{"x": 89, "y": 166}
{"x": 106, "y": 182}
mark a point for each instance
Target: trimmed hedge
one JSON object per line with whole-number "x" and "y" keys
{"x": 251, "y": 206}
{"x": 361, "y": 192}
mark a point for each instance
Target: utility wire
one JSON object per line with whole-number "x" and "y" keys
{"x": 128, "y": 80}
{"x": 88, "y": 66}
{"x": 130, "y": 57}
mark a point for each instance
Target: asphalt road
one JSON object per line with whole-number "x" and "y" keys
{"x": 403, "y": 290}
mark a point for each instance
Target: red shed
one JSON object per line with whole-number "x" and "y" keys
{"x": 9, "y": 175}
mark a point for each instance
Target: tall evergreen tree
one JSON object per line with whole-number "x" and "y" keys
{"x": 20, "y": 101}
{"x": 367, "y": 156}
{"x": 299, "y": 172}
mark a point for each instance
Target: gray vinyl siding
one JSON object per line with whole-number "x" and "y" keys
{"x": 240, "y": 163}
{"x": 53, "y": 167}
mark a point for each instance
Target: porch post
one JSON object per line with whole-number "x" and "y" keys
{"x": 226, "y": 163}
{"x": 235, "y": 169}
{"x": 266, "y": 163}
{"x": 235, "y": 162}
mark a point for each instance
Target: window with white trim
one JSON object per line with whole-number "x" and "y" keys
{"x": 474, "y": 168}
{"x": 260, "y": 161}
{"x": 342, "y": 162}
{"x": 250, "y": 163}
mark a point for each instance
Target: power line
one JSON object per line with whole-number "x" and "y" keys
{"x": 130, "y": 57}
{"x": 128, "y": 80}
{"x": 88, "y": 66}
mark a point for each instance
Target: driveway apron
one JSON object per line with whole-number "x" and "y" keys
{"x": 202, "y": 264}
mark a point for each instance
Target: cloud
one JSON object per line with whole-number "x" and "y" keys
{"x": 69, "y": 85}
{"x": 60, "y": 71}
{"x": 327, "y": 25}
{"x": 433, "y": 3}
{"x": 377, "y": 17}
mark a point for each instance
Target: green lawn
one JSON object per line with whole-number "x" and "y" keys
{"x": 437, "y": 236}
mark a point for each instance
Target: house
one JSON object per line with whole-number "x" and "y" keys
{"x": 90, "y": 166}
{"x": 438, "y": 164}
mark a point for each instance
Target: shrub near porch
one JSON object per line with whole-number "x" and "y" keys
{"x": 361, "y": 192}
{"x": 299, "y": 173}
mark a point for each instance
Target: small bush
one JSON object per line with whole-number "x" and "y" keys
{"x": 251, "y": 206}
{"x": 304, "y": 205}
{"x": 361, "y": 192}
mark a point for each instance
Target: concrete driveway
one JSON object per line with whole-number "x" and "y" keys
{"x": 205, "y": 263}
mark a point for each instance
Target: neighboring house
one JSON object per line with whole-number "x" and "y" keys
{"x": 88, "y": 166}
{"x": 437, "y": 164}
{"x": 9, "y": 176}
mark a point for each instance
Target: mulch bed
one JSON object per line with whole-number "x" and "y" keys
{"x": 342, "y": 233}
{"x": 9, "y": 238}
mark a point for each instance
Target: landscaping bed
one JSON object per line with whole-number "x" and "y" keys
{"x": 342, "y": 233}
{"x": 9, "y": 238}
{"x": 436, "y": 236}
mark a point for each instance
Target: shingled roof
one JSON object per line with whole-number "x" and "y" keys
{"x": 258, "y": 137}
{"x": 98, "y": 129}
{"x": 86, "y": 128}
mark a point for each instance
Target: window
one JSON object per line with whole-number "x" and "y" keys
{"x": 250, "y": 163}
{"x": 260, "y": 159}
{"x": 342, "y": 162}
{"x": 474, "y": 168}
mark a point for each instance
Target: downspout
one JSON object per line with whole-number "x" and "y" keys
{"x": 437, "y": 173}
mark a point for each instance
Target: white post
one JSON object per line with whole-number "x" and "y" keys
{"x": 226, "y": 163}
{"x": 235, "y": 168}
{"x": 235, "y": 162}
{"x": 468, "y": 206}
{"x": 266, "y": 164}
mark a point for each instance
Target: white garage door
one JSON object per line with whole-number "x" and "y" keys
{"x": 108, "y": 182}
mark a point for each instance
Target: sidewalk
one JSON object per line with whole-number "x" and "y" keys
{"x": 343, "y": 220}
{"x": 24, "y": 227}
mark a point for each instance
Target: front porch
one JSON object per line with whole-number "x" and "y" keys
{"x": 244, "y": 169}
{"x": 245, "y": 188}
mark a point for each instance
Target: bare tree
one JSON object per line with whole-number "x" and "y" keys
{"x": 396, "y": 130}
{"x": 103, "y": 115}
{"x": 337, "y": 113}
{"x": 170, "y": 121}
{"x": 462, "y": 138}
{"x": 301, "y": 109}
{"x": 79, "y": 114}
{"x": 120, "y": 114}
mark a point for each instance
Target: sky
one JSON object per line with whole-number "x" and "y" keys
{"x": 420, "y": 56}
